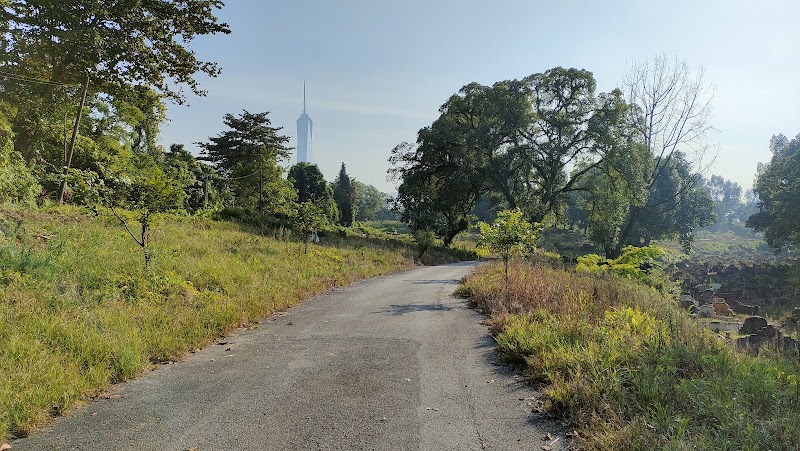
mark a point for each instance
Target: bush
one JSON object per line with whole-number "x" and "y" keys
{"x": 250, "y": 217}
{"x": 17, "y": 183}
{"x": 641, "y": 264}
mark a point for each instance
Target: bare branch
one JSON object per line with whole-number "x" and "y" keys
{"x": 124, "y": 223}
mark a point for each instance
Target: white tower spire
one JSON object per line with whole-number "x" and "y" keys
{"x": 305, "y": 130}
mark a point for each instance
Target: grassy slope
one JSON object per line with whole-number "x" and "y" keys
{"x": 630, "y": 370}
{"x": 77, "y": 311}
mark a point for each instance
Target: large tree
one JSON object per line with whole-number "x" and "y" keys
{"x": 669, "y": 111}
{"x": 571, "y": 128}
{"x": 468, "y": 151}
{"x": 516, "y": 141}
{"x": 125, "y": 48}
{"x": 677, "y": 203}
{"x": 727, "y": 197}
{"x": 369, "y": 201}
{"x": 778, "y": 188}
{"x": 247, "y": 155}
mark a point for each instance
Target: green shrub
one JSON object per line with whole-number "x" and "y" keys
{"x": 641, "y": 264}
{"x": 17, "y": 183}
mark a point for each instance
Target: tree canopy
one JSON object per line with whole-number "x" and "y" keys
{"x": 248, "y": 154}
{"x": 135, "y": 54}
{"x": 628, "y": 158}
{"x": 778, "y": 188}
{"x": 311, "y": 186}
{"x": 518, "y": 140}
{"x": 369, "y": 201}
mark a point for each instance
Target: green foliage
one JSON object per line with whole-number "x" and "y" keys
{"x": 134, "y": 56}
{"x": 307, "y": 218}
{"x": 547, "y": 258}
{"x": 641, "y": 264}
{"x": 727, "y": 197}
{"x": 248, "y": 156}
{"x": 17, "y": 183}
{"x": 149, "y": 189}
{"x": 147, "y": 193}
{"x": 368, "y": 202}
{"x": 344, "y": 194}
{"x": 668, "y": 110}
{"x": 778, "y": 189}
{"x": 424, "y": 240}
{"x": 508, "y": 235}
{"x": 514, "y": 141}
{"x": 130, "y": 46}
{"x": 85, "y": 186}
{"x": 311, "y": 186}
{"x": 197, "y": 179}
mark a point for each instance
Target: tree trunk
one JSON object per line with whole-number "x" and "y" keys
{"x": 505, "y": 264}
{"x": 144, "y": 242}
{"x": 616, "y": 251}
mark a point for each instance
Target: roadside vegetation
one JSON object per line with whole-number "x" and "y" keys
{"x": 78, "y": 311}
{"x": 154, "y": 250}
{"x": 628, "y": 369}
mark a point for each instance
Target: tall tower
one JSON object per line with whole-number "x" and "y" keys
{"x": 305, "y": 128}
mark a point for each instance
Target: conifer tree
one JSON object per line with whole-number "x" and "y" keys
{"x": 345, "y": 195}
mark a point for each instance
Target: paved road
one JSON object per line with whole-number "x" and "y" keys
{"x": 394, "y": 362}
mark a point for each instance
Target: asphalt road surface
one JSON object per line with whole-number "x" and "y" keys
{"x": 394, "y": 362}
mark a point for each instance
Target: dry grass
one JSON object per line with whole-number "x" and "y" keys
{"x": 630, "y": 370}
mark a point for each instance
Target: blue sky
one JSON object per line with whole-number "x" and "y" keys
{"x": 376, "y": 72}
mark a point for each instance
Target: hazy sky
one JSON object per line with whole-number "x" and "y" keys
{"x": 377, "y": 71}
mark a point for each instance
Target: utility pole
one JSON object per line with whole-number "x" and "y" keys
{"x": 68, "y": 159}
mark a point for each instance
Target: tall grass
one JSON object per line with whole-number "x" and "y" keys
{"x": 630, "y": 370}
{"x": 78, "y": 312}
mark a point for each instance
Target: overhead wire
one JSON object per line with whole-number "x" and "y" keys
{"x": 27, "y": 79}
{"x": 244, "y": 176}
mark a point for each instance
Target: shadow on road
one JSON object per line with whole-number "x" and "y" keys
{"x": 436, "y": 281}
{"x": 412, "y": 308}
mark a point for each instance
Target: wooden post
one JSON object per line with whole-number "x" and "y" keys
{"x": 68, "y": 160}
